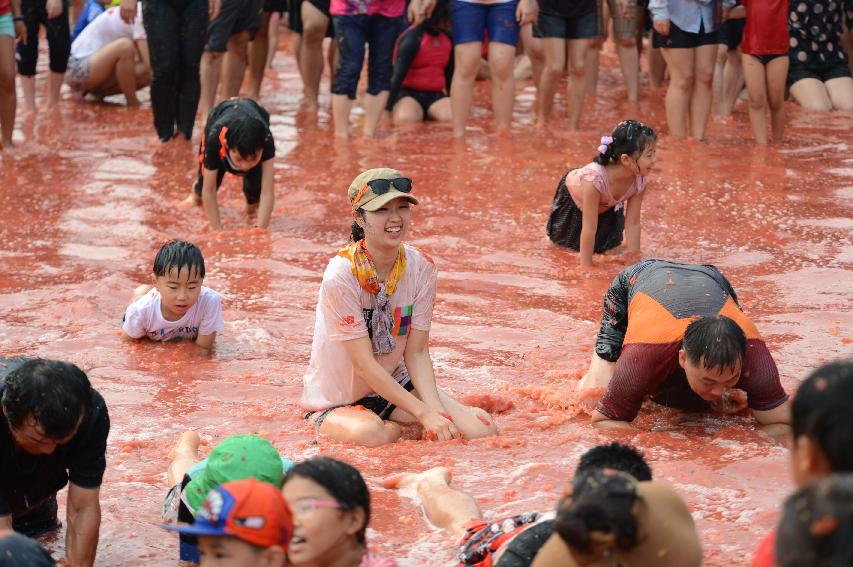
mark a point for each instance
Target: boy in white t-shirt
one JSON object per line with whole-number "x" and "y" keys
{"x": 177, "y": 306}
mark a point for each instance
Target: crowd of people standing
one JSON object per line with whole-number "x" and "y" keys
{"x": 197, "y": 52}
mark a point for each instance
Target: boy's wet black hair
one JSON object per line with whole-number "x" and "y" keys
{"x": 178, "y": 254}
{"x": 247, "y": 136}
{"x": 630, "y": 137}
{"x": 601, "y": 501}
{"x": 616, "y": 456}
{"x": 822, "y": 410}
{"x": 816, "y": 529}
{"x": 341, "y": 480}
{"x": 715, "y": 340}
{"x": 56, "y": 394}
{"x": 439, "y": 19}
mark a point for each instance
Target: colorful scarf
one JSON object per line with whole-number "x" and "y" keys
{"x": 364, "y": 270}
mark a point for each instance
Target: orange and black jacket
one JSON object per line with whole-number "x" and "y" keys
{"x": 646, "y": 310}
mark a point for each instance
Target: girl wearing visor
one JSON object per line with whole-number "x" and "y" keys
{"x": 370, "y": 366}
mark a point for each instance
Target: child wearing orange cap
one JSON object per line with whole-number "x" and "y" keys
{"x": 245, "y": 523}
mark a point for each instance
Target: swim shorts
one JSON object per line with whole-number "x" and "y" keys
{"x": 562, "y": 27}
{"x": 7, "y": 25}
{"x": 374, "y": 402}
{"x": 423, "y": 98}
{"x": 78, "y": 72}
{"x": 279, "y": 6}
{"x": 680, "y": 39}
{"x": 625, "y": 15}
{"x": 471, "y": 21}
{"x": 235, "y": 16}
{"x": 483, "y": 538}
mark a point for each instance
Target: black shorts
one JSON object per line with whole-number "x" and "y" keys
{"x": 680, "y": 39}
{"x": 766, "y": 58}
{"x": 374, "y": 402}
{"x": 561, "y": 27}
{"x": 731, "y": 33}
{"x": 798, "y": 71}
{"x": 522, "y": 549}
{"x": 251, "y": 182}
{"x": 279, "y": 6}
{"x": 423, "y": 98}
{"x": 235, "y": 16}
{"x": 38, "y": 520}
{"x": 294, "y": 15}
{"x": 566, "y": 220}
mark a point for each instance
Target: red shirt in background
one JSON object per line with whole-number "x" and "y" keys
{"x": 5, "y": 7}
{"x": 766, "y": 31}
{"x": 427, "y": 70}
{"x": 765, "y": 555}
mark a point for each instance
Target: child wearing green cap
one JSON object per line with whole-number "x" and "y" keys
{"x": 234, "y": 458}
{"x": 245, "y": 523}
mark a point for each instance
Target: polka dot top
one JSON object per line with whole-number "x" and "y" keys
{"x": 814, "y": 27}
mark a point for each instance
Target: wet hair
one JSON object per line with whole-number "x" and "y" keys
{"x": 822, "y": 411}
{"x": 616, "y": 456}
{"x": 629, "y": 137}
{"x": 56, "y": 394}
{"x": 248, "y": 136}
{"x": 341, "y": 480}
{"x": 602, "y": 500}
{"x": 439, "y": 19}
{"x": 178, "y": 254}
{"x": 356, "y": 232}
{"x": 716, "y": 340}
{"x": 817, "y": 525}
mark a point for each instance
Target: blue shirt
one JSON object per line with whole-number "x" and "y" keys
{"x": 688, "y": 15}
{"x": 92, "y": 10}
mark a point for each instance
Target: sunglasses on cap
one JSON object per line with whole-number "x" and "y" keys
{"x": 382, "y": 186}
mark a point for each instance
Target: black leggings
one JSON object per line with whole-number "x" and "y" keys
{"x": 177, "y": 32}
{"x": 58, "y": 38}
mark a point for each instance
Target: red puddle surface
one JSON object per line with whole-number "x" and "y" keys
{"x": 88, "y": 198}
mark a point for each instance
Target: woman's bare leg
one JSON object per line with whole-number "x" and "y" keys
{"x": 445, "y": 507}
{"x": 184, "y": 455}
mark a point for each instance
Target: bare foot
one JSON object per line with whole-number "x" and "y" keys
{"x": 409, "y": 484}
{"x": 192, "y": 201}
{"x": 134, "y": 103}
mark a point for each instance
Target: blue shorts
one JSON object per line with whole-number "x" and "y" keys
{"x": 7, "y": 26}
{"x": 470, "y": 22}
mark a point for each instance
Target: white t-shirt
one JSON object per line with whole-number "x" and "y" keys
{"x": 104, "y": 30}
{"x": 344, "y": 310}
{"x": 144, "y": 318}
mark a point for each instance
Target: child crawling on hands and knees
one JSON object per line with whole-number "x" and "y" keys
{"x": 236, "y": 140}
{"x": 177, "y": 306}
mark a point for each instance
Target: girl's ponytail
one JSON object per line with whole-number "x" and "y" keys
{"x": 356, "y": 232}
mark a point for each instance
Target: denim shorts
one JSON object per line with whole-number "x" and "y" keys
{"x": 7, "y": 25}
{"x": 352, "y": 33}
{"x": 561, "y": 27}
{"x": 78, "y": 72}
{"x": 470, "y": 22}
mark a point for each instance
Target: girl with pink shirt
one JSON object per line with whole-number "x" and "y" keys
{"x": 589, "y": 209}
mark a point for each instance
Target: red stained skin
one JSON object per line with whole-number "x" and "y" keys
{"x": 88, "y": 198}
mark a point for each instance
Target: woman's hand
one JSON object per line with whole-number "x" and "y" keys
{"x": 54, "y": 9}
{"x": 661, "y": 26}
{"x": 127, "y": 11}
{"x": 21, "y": 32}
{"x": 438, "y": 426}
{"x": 527, "y": 12}
{"x": 213, "y": 7}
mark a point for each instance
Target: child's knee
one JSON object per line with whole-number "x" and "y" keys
{"x": 480, "y": 425}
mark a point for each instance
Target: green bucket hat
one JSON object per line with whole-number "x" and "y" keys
{"x": 236, "y": 458}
